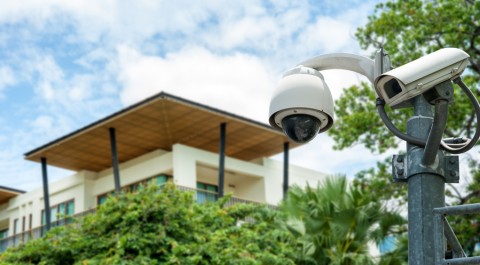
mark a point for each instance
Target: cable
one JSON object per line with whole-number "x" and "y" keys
{"x": 408, "y": 138}
{"x": 469, "y": 142}
{"x": 451, "y": 145}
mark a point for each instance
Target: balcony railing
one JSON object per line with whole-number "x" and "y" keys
{"x": 23, "y": 237}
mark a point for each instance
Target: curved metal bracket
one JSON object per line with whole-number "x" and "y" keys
{"x": 352, "y": 62}
{"x": 343, "y": 61}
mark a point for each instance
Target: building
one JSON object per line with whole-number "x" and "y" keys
{"x": 163, "y": 138}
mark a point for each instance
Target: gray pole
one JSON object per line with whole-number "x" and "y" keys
{"x": 285, "y": 169}
{"x": 46, "y": 195}
{"x": 115, "y": 167}
{"x": 221, "y": 162}
{"x": 426, "y": 191}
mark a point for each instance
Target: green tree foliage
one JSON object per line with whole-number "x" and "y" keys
{"x": 164, "y": 226}
{"x": 357, "y": 121}
{"x": 408, "y": 30}
{"x": 335, "y": 223}
{"x": 382, "y": 187}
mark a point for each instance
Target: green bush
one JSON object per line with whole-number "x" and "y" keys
{"x": 163, "y": 226}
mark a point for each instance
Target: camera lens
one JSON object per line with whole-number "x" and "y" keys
{"x": 301, "y": 128}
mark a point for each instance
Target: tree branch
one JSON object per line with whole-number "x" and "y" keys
{"x": 458, "y": 194}
{"x": 472, "y": 194}
{"x": 470, "y": 123}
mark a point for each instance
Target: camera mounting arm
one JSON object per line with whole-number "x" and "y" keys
{"x": 352, "y": 62}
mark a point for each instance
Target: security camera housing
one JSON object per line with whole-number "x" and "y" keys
{"x": 302, "y": 91}
{"x": 399, "y": 85}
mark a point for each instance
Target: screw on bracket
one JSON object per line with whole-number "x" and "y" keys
{"x": 452, "y": 169}
{"x": 398, "y": 168}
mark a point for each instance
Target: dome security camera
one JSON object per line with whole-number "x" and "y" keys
{"x": 399, "y": 85}
{"x": 302, "y": 105}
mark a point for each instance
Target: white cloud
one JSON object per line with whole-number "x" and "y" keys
{"x": 226, "y": 54}
{"x": 237, "y": 83}
{"x": 7, "y": 78}
{"x": 337, "y": 80}
{"x": 328, "y": 35}
{"x": 43, "y": 123}
{"x": 44, "y": 72}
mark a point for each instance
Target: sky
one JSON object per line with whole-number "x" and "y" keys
{"x": 66, "y": 64}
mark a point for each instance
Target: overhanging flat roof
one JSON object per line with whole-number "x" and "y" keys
{"x": 7, "y": 193}
{"x": 159, "y": 122}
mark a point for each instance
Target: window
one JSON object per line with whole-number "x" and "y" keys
{"x": 206, "y": 192}
{"x": 157, "y": 180}
{"x": 102, "y": 199}
{"x": 3, "y": 233}
{"x": 161, "y": 180}
{"x": 61, "y": 211}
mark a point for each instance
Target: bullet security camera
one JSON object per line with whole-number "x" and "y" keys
{"x": 399, "y": 85}
{"x": 302, "y": 105}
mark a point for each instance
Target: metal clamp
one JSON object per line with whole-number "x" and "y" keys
{"x": 447, "y": 167}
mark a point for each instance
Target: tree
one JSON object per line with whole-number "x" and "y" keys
{"x": 335, "y": 223}
{"x": 164, "y": 226}
{"x": 408, "y": 30}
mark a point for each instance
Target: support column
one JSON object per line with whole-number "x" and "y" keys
{"x": 285, "y": 169}
{"x": 426, "y": 191}
{"x": 116, "y": 172}
{"x": 46, "y": 194}
{"x": 221, "y": 162}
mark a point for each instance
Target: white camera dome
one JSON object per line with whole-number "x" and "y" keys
{"x": 302, "y": 91}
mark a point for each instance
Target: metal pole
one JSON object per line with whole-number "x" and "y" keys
{"x": 116, "y": 171}
{"x": 425, "y": 190}
{"x": 221, "y": 162}
{"x": 285, "y": 169}
{"x": 46, "y": 195}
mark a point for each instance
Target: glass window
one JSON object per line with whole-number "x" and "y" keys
{"x": 157, "y": 180}
{"x": 161, "y": 180}
{"x": 70, "y": 208}
{"x": 206, "y": 192}
{"x": 53, "y": 214}
{"x": 3, "y": 233}
{"x": 59, "y": 211}
{"x": 103, "y": 198}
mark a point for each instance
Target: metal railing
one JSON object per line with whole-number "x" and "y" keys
{"x": 443, "y": 231}
{"x": 37, "y": 232}
{"x": 23, "y": 237}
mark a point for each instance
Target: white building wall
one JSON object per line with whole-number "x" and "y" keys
{"x": 296, "y": 176}
{"x": 147, "y": 165}
{"x": 184, "y": 166}
{"x": 260, "y": 181}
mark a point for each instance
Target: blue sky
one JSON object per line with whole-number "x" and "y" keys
{"x": 65, "y": 64}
